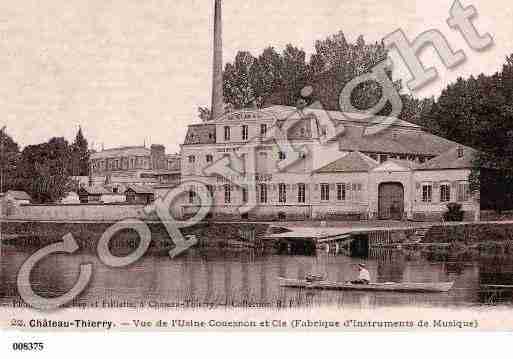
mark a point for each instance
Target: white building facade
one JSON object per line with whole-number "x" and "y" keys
{"x": 401, "y": 172}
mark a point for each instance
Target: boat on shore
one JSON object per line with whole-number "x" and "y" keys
{"x": 436, "y": 287}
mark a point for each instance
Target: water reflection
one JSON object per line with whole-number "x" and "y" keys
{"x": 250, "y": 279}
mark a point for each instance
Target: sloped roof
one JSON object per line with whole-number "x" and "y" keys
{"x": 201, "y": 134}
{"x": 402, "y": 164}
{"x": 451, "y": 159}
{"x": 352, "y": 162}
{"x": 140, "y": 189}
{"x": 394, "y": 141}
{"x": 96, "y": 190}
{"x": 289, "y": 112}
{"x": 401, "y": 137}
{"x": 122, "y": 152}
{"x": 19, "y": 195}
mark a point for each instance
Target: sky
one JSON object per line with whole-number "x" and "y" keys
{"x": 131, "y": 72}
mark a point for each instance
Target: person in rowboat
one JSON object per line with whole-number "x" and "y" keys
{"x": 363, "y": 276}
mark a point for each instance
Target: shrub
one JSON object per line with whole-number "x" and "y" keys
{"x": 454, "y": 213}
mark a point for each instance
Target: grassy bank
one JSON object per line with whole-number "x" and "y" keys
{"x": 34, "y": 235}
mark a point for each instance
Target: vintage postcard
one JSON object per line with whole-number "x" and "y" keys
{"x": 249, "y": 166}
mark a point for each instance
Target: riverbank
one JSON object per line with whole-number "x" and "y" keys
{"x": 38, "y": 233}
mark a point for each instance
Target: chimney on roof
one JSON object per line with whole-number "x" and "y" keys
{"x": 217, "y": 77}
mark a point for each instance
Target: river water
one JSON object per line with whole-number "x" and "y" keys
{"x": 247, "y": 279}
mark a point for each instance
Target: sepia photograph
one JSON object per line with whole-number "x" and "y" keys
{"x": 247, "y": 166}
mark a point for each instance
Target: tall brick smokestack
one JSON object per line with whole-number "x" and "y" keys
{"x": 217, "y": 78}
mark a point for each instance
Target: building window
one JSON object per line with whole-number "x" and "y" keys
{"x": 210, "y": 158}
{"x": 192, "y": 159}
{"x": 427, "y": 193}
{"x": 445, "y": 193}
{"x": 192, "y": 195}
{"x": 245, "y": 132}
{"x": 210, "y": 190}
{"x": 227, "y": 193}
{"x": 357, "y": 192}
{"x": 341, "y": 192}
{"x": 282, "y": 155}
{"x": 301, "y": 193}
{"x": 463, "y": 192}
{"x": 383, "y": 158}
{"x": 282, "y": 193}
{"x": 227, "y": 133}
{"x": 263, "y": 129}
{"x": 325, "y": 192}
{"x": 244, "y": 195}
{"x": 263, "y": 193}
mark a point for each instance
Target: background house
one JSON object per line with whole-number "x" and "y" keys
{"x": 139, "y": 195}
{"x": 99, "y": 194}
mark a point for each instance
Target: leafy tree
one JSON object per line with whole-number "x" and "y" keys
{"x": 80, "y": 155}
{"x": 44, "y": 170}
{"x": 237, "y": 87}
{"x": 9, "y": 155}
{"x": 204, "y": 113}
{"x": 417, "y": 110}
{"x": 267, "y": 75}
{"x": 336, "y": 62}
{"x": 478, "y": 112}
{"x": 274, "y": 78}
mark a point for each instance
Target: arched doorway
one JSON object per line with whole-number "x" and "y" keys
{"x": 391, "y": 201}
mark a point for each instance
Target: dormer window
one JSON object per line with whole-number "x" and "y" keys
{"x": 460, "y": 152}
{"x": 245, "y": 132}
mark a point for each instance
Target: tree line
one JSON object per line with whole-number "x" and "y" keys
{"x": 44, "y": 170}
{"x": 476, "y": 112}
{"x": 276, "y": 78}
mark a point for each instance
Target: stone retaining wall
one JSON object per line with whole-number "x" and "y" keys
{"x": 469, "y": 233}
{"x": 36, "y": 234}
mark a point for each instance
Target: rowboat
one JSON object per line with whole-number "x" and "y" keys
{"x": 437, "y": 287}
